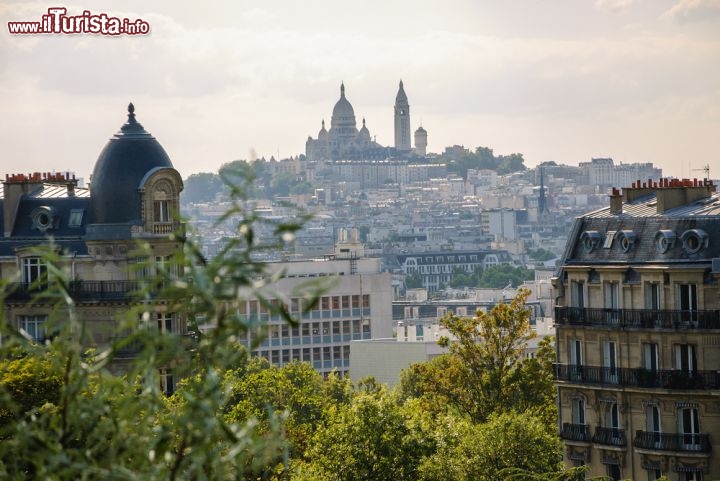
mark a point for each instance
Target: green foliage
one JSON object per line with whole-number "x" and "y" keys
{"x": 26, "y": 384}
{"x": 202, "y": 187}
{"x": 370, "y": 439}
{"x": 503, "y": 275}
{"x": 482, "y": 452}
{"x": 485, "y": 370}
{"x": 413, "y": 280}
{"x": 483, "y": 158}
{"x": 540, "y": 254}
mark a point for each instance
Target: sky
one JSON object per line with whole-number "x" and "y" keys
{"x": 555, "y": 80}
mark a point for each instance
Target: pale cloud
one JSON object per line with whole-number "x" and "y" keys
{"x": 614, "y": 5}
{"x": 694, "y": 11}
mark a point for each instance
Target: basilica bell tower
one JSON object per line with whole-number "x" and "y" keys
{"x": 402, "y": 120}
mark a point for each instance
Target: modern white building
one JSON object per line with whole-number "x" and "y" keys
{"x": 357, "y": 305}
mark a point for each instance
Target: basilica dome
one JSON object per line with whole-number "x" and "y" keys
{"x": 343, "y": 113}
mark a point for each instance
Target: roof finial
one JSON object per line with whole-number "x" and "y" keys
{"x": 363, "y": 121}
{"x": 342, "y": 89}
{"x": 131, "y": 113}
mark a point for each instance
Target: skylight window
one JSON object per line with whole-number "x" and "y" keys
{"x": 75, "y": 219}
{"x": 609, "y": 237}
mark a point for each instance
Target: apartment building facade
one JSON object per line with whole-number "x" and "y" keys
{"x": 638, "y": 334}
{"x": 96, "y": 234}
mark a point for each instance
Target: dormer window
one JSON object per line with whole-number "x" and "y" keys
{"x": 694, "y": 240}
{"x": 590, "y": 240}
{"x": 43, "y": 218}
{"x": 626, "y": 240}
{"x": 664, "y": 240}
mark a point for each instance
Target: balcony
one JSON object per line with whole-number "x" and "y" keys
{"x": 82, "y": 290}
{"x": 575, "y": 432}
{"x": 609, "y": 436}
{"x": 693, "y": 443}
{"x": 638, "y": 318}
{"x": 637, "y": 377}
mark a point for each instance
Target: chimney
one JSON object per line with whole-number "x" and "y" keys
{"x": 616, "y": 202}
{"x": 14, "y": 187}
{"x": 681, "y": 192}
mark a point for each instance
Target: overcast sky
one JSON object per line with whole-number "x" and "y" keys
{"x": 562, "y": 80}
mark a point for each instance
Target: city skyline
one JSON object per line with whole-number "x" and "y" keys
{"x": 628, "y": 79}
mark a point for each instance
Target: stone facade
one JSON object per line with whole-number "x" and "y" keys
{"x": 638, "y": 334}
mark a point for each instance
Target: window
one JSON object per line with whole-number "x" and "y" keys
{"x": 611, "y": 295}
{"x": 610, "y": 370}
{"x": 613, "y": 472}
{"x": 688, "y": 300}
{"x": 612, "y": 304}
{"x": 652, "y": 424}
{"x": 577, "y": 411}
{"x": 167, "y": 381}
{"x": 76, "y": 217}
{"x": 576, "y": 359}
{"x": 685, "y": 358}
{"x": 34, "y": 326}
{"x": 689, "y": 427}
{"x": 652, "y": 295}
{"x": 609, "y": 237}
{"x": 577, "y": 294}
{"x": 692, "y": 476}
{"x": 612, "y": 418}
{"x": 34, "y": 270}
{"x": 162, "y": 211}
{"x": 165, "y": 322}
{"x": 651, "y": 358}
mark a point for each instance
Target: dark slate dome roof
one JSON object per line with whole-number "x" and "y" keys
{"x": 122, "y": 164}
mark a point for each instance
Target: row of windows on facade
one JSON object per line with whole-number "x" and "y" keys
{"x": 692, "y": 240}
{"x": 684, "y": 357}
{"x": 320, "y": 357}
{"x": 687, "y": 423}
{"x": 444, "y": 269}
{"x": 333, "y": 306}
{"x": 34, "y": 269}
{"x": 686, "y": 295}
{"x": 35, "y": 326}
{"x": 614, "y": 472}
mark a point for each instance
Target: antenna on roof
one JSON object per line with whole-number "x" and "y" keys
{"x": 705, "y": 168}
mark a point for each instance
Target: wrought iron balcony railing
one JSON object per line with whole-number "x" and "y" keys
{"x": 575, "y": 432}
{"x": 684, "y": 442}
{"x": 638, "y": 377}
{"x": 638, "y": 318}
{"x": 609, "y": 436}
{"x": 84, "y": 290}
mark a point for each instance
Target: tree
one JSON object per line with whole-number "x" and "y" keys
{"x": 413, "y": 280}
{"x": 26, "y": 384}
{"x": 370, "y": 439}
{"x": 485, "y": 370}
{"x": 502, "y": 275}
{"x": 485, "y": 452}
{"x": 202, "y": 187}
